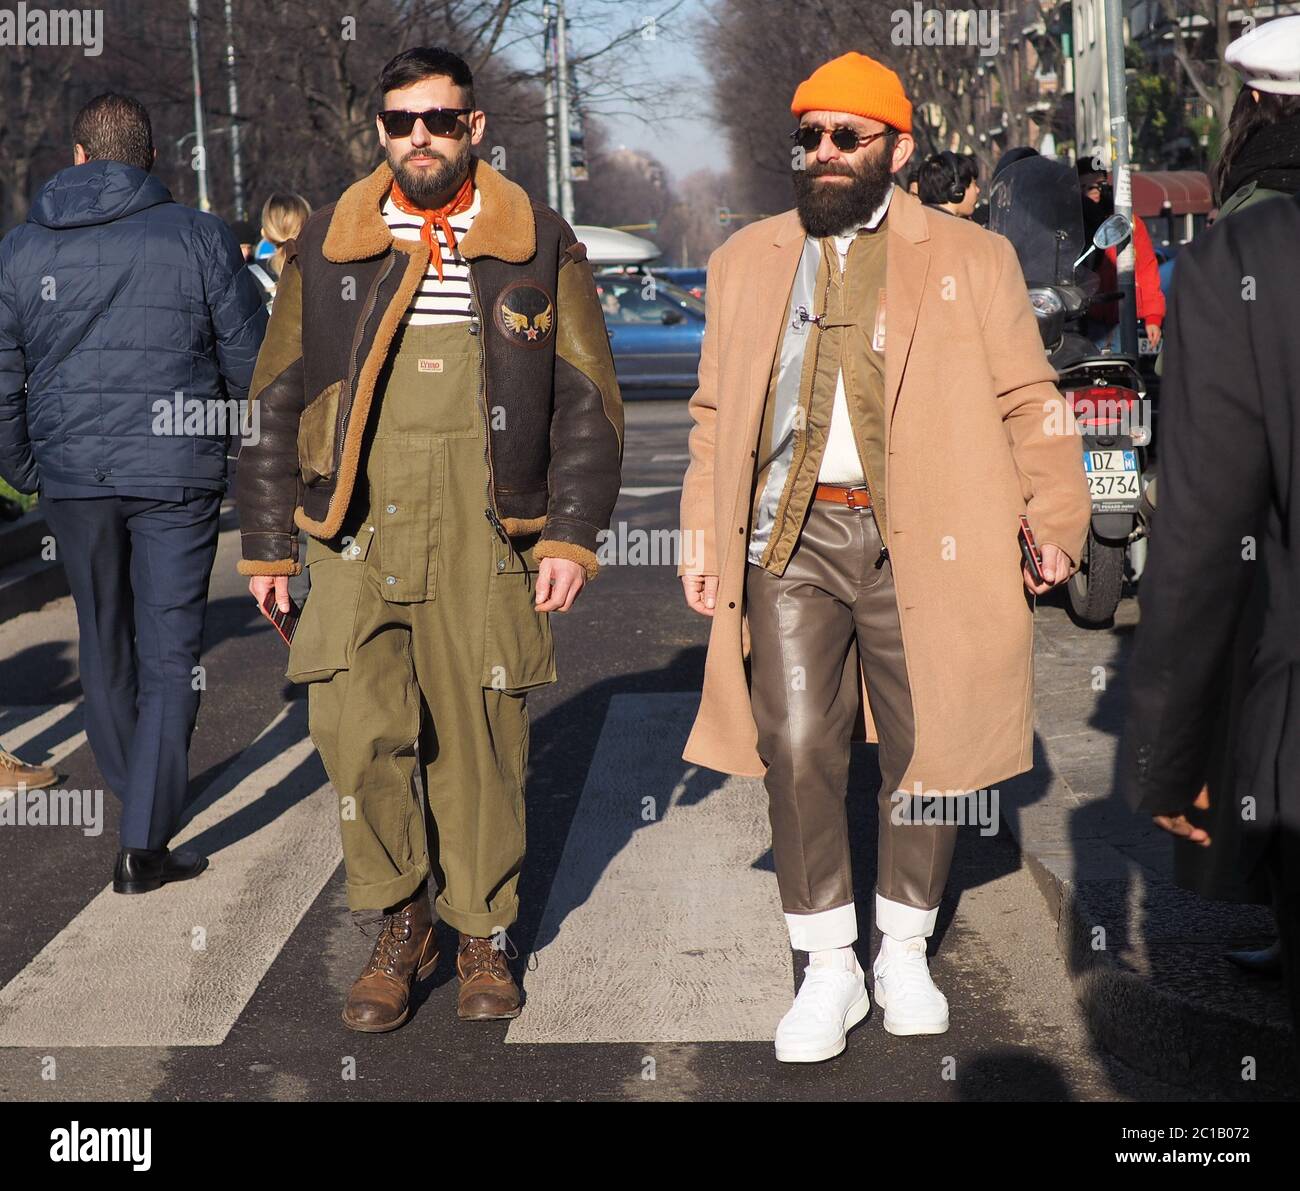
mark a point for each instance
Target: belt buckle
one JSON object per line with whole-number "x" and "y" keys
{"x": 851, "y": 498}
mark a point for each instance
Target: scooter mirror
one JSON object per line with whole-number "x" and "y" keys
{"x": 1113, "y": 231}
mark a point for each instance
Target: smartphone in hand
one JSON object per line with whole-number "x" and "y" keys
{"x": 285, "y": 622}
{"x": 1029, "y": 551}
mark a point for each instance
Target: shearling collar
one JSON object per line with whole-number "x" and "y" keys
{"x": 504, "y": 228}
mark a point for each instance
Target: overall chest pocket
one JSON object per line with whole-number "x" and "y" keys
{"x": 519, "y": 650}
{"x": 323, "y": 641}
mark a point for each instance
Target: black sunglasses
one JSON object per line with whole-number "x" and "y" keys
{"x": 439, "y": 121}
{"x": 809, "y": 137}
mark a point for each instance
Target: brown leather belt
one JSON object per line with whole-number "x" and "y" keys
{"x": 855, "y": 498}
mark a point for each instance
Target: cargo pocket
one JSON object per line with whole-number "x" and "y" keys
{"x": 518, "y": 651}
{"x": 322, "y": 642}
{"x": 316, "y": 430}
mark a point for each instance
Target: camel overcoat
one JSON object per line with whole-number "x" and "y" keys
{"x": 976, "y": 435}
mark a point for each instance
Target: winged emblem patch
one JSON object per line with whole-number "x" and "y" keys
{"x": 525, "y": 314}
{"x": 521, "y": 325}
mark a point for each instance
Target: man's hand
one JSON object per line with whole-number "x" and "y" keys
{"x": 558, "y": 582}
{"x": 701, "y": 593}
{"x": 259, "y": 585}
{"x": 1055, "y": 565}
{"x": 1153, "y": 335}
{"x": 1178, "y": 824}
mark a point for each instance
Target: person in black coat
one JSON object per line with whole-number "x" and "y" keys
{"x": 1223, "y": 567}
{"x": 129, "y": 330}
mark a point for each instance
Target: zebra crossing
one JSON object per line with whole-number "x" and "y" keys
{"x": 653, "y": 841}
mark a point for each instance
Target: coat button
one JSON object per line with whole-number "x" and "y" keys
{"x": 732, "y": 604}
{"x": 392, "y": 508}
{"x": 391, "y": 580}
{"x": 99, "y": 475}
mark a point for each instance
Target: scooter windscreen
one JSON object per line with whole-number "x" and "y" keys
{"x": 1035, "y": 203}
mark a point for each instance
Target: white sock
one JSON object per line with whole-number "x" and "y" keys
{"x": 891, "y": 946}
{"x": 834, "y": 957}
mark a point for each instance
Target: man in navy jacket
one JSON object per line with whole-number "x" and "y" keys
{"x": 129, "y": 329}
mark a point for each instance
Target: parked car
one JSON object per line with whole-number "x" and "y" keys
{"x": 655, "y": 329}
{"x": 691, "y": 280}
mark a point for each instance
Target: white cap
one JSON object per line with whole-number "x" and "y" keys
{"x": 1268, "y": 57}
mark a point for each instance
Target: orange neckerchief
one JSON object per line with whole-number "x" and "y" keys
{"x": 461, "y": 201}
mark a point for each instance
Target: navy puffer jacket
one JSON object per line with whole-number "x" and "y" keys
{"x": 114, "y": 298}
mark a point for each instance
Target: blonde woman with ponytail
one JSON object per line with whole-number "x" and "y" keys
{"x": 283, "y": 216}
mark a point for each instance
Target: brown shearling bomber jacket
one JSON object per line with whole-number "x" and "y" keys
{"x": 547, "y": 388}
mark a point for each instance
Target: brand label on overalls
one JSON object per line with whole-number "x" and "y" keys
{"x": 430, "y": 365}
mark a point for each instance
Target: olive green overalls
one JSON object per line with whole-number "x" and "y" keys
{"x": 419, "y": 639}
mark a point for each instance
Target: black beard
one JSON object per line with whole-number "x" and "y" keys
{"x": 430, "y": 188}
{"x": 828, "y": 210}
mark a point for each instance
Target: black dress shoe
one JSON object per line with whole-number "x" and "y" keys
{"x": 142, "y": 871}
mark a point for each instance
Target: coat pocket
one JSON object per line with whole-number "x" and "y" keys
{"x": 323, "y": 641}
{"x": 316, "y": 430}
{"x": 518, "y": 650}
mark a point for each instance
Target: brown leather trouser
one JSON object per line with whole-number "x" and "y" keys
{"x": 807, "y": 629}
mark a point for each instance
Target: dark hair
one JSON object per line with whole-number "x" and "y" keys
{"x": 942, "y": 175}
{"x": 427, "y": 62}
{"x": 115, "y": 127}
{"x": 1246, "y": 118}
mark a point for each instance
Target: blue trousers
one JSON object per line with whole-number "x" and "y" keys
{"x": 138, "y": 569}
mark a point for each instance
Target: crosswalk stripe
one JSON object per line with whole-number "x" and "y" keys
{"x": 659, "y": 927}
{"x": 649, "y": 491}
{"x": 42, "y": 734}
{"x": 177, "y": 967}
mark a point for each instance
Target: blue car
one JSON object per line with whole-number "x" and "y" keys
{"x": 655, "y": 329}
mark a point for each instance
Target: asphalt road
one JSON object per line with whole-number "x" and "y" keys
{"x": 650, "y": 944}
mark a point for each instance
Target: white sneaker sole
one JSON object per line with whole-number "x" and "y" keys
{"x": 904, "y": 1028}
{"x": 796, "y": 1054}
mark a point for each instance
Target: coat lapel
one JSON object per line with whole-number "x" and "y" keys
{"x": 905, "y": 278}
{"x": 773, "y": 279}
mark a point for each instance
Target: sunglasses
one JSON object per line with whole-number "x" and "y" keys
{"x": 439, "y": 121}
{"x": 809, "y": 137}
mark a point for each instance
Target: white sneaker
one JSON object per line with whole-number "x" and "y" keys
{"x": 905, "y": 991}
{"x": 831, "y": 1002}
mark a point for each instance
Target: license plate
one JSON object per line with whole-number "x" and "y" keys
{"x": 1112, "y": 475}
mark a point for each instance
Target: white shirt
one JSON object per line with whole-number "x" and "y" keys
{"x": 448, "y": 300}
{"x": 840, "y": 463}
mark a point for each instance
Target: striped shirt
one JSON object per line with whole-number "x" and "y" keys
{"x": 448, "y": 300}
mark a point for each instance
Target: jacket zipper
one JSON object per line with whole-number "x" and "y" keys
{"x": 490, "y": 511}
{"x": 372, "y": 300}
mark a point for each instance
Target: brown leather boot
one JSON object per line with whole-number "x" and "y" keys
{"x": 487, "y": 990}
{"x": 406, "y": 951}
{"x": 15, "y": 773}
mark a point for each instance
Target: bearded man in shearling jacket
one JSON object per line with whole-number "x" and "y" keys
{"x": 437, "y": 408}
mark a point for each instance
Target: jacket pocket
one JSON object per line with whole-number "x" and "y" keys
{"x": 518, "y": 650}
{"x": 316, "y": 435}
{"x": 323, "y": 641}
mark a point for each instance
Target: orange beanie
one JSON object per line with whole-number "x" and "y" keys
{"x": 858, "y": 85}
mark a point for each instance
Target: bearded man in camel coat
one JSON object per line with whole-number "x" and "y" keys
{"x": 853, "y": 506}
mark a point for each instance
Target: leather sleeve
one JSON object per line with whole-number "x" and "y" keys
{"x": 587, "y": 420}
{"x": 268, "y": 482}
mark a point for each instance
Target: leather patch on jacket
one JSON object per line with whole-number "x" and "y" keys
{"x": 525, "y": 314}
{"x": 316, "y": 435}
